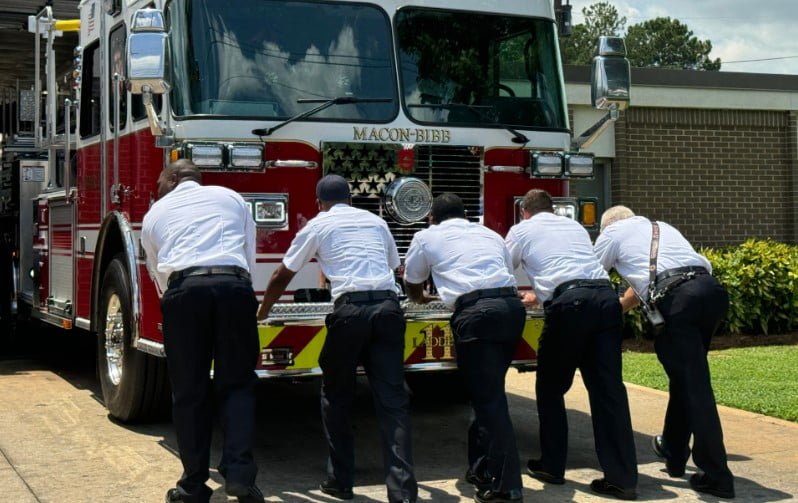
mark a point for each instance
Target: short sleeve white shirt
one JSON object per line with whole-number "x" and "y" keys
{"x": 625, "y": 246}
{"x": 354, "y": 247}
{"x": 461, "y": 256}
{"x": 552, "y": 250}
{"x": 196, "y": 225}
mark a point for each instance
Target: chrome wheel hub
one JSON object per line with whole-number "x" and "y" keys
{"x": 114, "y": 339}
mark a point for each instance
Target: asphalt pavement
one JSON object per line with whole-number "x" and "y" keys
{"x": 57, "y": 443}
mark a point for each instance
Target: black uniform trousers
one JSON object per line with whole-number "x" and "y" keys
{"x": 371, "y": 333}
{"x": 692, "y": 311}
{"x": 212, "y": 318}
{"x": 582, "y": 329}
{"x": 486, "y": 335}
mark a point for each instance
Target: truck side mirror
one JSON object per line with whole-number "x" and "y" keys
{"x": 564, "y": 19}
{"x": 147, "y": 53}
{"x": 610, "y": 82}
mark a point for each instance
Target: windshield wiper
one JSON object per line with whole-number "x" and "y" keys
{"x": 518, "y": 137}
{"x": 325, "y": 103}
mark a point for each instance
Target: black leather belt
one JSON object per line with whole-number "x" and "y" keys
{"x": 230, "y": 270}
{"x": 492, "y": 293}
{"x": 670, "y": 279}
{"x": 366, "y": 296}
{"x": 580, "y": 283}
{"x": 692, "y": 270}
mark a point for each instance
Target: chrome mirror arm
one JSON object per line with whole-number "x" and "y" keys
{"x": 590, "y": 135}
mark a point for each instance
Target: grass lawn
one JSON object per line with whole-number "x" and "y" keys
{"x": 761, "y": 379}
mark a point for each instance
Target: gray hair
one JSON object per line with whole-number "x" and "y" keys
{"x": 612, "y": 215}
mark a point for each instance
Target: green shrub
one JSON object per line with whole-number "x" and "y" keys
{"x": 762, "y": 280}
{"x": 761, "y": 277}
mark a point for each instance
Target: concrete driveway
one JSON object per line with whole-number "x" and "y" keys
{"x": 58, "y": 445}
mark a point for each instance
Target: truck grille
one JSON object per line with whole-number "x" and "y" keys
{"x": 371, "y": 168}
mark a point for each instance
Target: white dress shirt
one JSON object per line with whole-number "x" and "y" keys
{"x": 625, "y": 245}
{"x": 196, "y": 225}
{"x": 462, "y": 257}
{"x": 553, "y": 249}
{"x": 354, "y": 247}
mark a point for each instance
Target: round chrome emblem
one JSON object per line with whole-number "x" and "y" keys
{"x": 408, "y": 200}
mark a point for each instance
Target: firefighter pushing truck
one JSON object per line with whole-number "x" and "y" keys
{"x": 405, "y": 99}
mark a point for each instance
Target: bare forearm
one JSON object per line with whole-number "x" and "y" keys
{"x": 277, "y": 285}
{"x": 629, "y": 300}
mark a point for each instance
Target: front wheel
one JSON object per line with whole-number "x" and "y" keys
{"x": 134, "y": 384}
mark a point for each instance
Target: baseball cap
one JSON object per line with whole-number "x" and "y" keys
{"x": 332, "y": 188}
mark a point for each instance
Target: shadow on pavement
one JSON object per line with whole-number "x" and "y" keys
{"x": 291, "y": 452}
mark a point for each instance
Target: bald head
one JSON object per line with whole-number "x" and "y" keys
{"x": 179, "y": 171}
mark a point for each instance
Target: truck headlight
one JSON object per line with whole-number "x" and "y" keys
{"x": 547, "y": 164}
{"x": 270, "y": 210}
{"x": 205, "y": 156}
{"x": 565, "y": 207}
{"x": 579, "y": 165}
{"x": 246, "y": 156}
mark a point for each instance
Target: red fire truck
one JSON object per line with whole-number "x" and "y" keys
{"x": 405, "y": 98}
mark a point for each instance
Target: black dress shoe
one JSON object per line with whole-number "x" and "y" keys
{"x": 535, "y": 469}
{"x": 332, "y": 488}
{"x": 658, "y": 447}
{"x": 601, "y": 486}
{"x": 674, "y": 469}
{"x": 479, "y": 481}
{"x": 701, "y": 482}
{"x": 489, "y": 495}
{"x": 176, "y": 494}
{"x": 244, "y": 493}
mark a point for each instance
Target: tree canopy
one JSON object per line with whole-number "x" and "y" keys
{"x": 661, "y": 42}
{"x": 666, "y": 43}
{"x": 600, "y": 19}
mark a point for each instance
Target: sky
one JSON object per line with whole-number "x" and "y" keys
{"x": 740, "y": 30}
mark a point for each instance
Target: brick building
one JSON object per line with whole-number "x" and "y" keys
{"x": 714, "y": 153}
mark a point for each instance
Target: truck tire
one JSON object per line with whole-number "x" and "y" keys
{"x": 135, "y": 385}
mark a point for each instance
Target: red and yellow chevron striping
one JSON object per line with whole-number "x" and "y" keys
{"x": 294, "y": 349}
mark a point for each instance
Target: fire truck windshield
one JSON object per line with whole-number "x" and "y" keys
{"x": 503, "y": 65}
{"x": 264, "y": 58}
